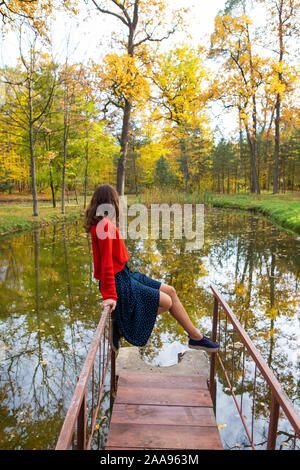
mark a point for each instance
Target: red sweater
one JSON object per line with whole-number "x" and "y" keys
{"x": 110, "y": 255}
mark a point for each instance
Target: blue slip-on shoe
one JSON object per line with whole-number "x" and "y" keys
{"x": 204, "y": 344}
{"x": 115, "y": 336}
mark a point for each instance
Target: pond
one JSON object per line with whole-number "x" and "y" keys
{"x": 50, "y": 307}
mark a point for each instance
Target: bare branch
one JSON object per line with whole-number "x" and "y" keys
{"x": 149, "y": 36}
{"x": 119, "y": 5}
{"x": 109, "y": 12}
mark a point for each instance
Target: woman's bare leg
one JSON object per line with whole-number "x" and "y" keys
{"x": 165, "y": 302}
{"x": 169, "y": 300}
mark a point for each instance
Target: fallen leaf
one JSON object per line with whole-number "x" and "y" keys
{"x": 220, "y": 426}
{"x": 237, "y": 345}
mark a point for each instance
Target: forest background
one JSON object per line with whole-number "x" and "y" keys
{"x": 166, "y": 102}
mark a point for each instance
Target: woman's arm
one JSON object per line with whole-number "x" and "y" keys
{"x": 107, "y": 285}
{"x": 109, "y": 302}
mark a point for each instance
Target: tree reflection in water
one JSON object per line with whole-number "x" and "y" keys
{"x": 50, "y": 306}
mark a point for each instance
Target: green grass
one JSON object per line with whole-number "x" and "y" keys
{"x": 18, "y": 217}
{"x": 283, "y": 209}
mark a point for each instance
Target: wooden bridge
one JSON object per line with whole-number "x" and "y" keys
{"x": 163, "y": 411}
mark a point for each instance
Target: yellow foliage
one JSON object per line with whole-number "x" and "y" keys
{"x": 12, "y": 167}
{"x": 37, "y": 11}
{"x": 123, "y": 76}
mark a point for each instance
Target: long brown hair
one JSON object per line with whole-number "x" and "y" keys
{"x": 104, "y": 194}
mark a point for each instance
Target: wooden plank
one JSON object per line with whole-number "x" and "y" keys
{"x": 141, "y": 379}
{"x": 163, "y": 437}
{"x": 163, "y": 396}
{"x": 171, "y": 415}
{"x": 122, "y": 448}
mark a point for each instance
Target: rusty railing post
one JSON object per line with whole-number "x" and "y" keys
{"x": 274, "y": 416}
{"x": 81, "y": 425}
{"x": 212, "y": 387}
{"x": 113, "y": 385}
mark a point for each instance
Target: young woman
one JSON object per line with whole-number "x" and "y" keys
{"x": 134, "y": 298}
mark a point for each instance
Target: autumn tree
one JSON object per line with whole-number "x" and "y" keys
{"x": 70, "y": 77}
{"x": 283, "y": 25}
{"x": 36, "y": 12}
{"x": 182, "y": 94}
{"x": 29, "y": 100}
{"x": 143, "y": 22}
{"x": 245, "y": 72}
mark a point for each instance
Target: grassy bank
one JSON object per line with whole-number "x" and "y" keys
{"x": 17, "y": 217}
{"x": 283, "y": 209}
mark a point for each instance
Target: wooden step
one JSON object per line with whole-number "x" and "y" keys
{"x": 162, "y": 411}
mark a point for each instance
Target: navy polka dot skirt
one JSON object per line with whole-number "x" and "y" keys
{"x": 137, "y": 305}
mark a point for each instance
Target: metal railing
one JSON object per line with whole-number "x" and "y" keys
{"x": 79, "y": 425}
{"x": 279, "y": 400}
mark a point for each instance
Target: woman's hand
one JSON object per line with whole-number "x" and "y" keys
{"x": 109, "y": 302}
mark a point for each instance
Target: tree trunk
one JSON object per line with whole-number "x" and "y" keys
{"x": 277, "y": 144}
{"x": 185, "y": 166}
{"x": 127, "y": 108}
{"x": 63, "y": 206}
{"x": 75, "y": 190}
{"x": 86, "y": 172}
{"x": 63, "y": 186}
{"x": 252, "y": 139}
{"x": 223, "y": 183}
{"x": 135, "y": 176}
{"x": 52, "y": 187}
{"x": 252, "y": 148}
{"x": 255, "y": 176}
{"x": 186, "y": 175}
{"x": 33, "y": 175}
{"x": 124, "y": 147}
{"x": 32, "y": 156}
{"x": 228, "y": 182}
{"x": 278, "y": 102}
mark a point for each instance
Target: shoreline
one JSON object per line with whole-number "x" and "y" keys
{"x": 13, "y": 224}
{"x": 285, "y": 213}
{"x": 287, "y": 218}
{"x": 282, "y": 210}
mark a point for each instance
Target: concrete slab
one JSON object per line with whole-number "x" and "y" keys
{"x": 192, "y": 362}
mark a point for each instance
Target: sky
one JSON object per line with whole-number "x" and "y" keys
{"x": 92, "y": 33}
{"x": 88, "y": 35}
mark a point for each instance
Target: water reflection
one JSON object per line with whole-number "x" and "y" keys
{"x": 50, "y": 306}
